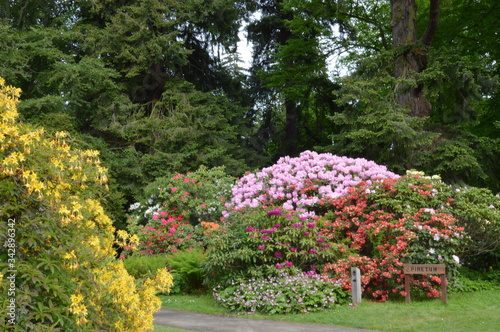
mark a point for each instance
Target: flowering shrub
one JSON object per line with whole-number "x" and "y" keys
{"x": 182, "y": 212}
{"x": 280, "y": 295}
{"x": 475, "y": 209}
{"x": 478, "y": 211}
{"x": 379, "y": 242}
{"x": 302, "y": 183}
{"x": 166, "y": 234}
{"x": 67, "y": 276}
{"x": 263, "y": 241}
{"x": 197, "y": 196}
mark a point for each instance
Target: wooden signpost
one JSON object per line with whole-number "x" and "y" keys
{"x": 425, "y": 269}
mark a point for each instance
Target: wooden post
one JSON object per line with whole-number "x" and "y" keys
{"x": 356, "y": 285}
{"x": 425, "y": 269}
{"x": 444, "y": 295}
{"x": 407, "y": 288}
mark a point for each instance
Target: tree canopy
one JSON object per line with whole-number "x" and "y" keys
{"x": 157, "y": 86}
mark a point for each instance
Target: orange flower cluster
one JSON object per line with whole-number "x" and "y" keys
{"x": 209, "y": 226}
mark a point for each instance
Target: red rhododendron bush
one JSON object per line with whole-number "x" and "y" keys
{"x": 379, "y": 236}
{"x": 59, "y": 272}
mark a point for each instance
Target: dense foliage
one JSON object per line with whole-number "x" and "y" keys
{"x": 60, "y": 268}
{"x": 320, "y": 214}
{"x": 158, "y": 87}
{"x": 376, "y": 225}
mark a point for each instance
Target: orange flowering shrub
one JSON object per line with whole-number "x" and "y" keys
{"x": 60, "y": 271}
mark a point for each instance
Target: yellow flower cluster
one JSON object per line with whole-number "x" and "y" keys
{"x": 8, "y": 101}
{"x": 125, "y": 240}
{"x": 164, "y": 281}
{"x": 66, "y": 179}
{"x": 78, "y": 309}
{"x": 72, "y": 263}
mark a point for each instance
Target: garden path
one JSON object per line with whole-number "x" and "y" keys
{"x": 193, "y": 321}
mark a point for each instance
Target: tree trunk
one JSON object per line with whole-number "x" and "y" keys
{"x": 291, "y": 137}
{"x": 411, "y": 59}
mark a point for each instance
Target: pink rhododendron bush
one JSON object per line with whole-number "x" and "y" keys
{"x": 302, "y": 183}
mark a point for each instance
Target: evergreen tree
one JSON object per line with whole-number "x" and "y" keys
{"x": 289, "y": 75}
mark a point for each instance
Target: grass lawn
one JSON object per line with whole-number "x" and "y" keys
{"x": 475, "y": 311}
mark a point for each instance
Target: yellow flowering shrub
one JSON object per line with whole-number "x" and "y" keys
{"x": 61, "y": 270}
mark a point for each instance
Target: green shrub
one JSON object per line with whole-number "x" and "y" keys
{"x": 186, "y": 267}
{"x": 263, "y": 241}
{"x": 478, "y": 211}
{"x": 471, "y": 280}
{"x": 144, "y": 266}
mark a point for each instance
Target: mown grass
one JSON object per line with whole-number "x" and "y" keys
{"x": 475, "y": 311}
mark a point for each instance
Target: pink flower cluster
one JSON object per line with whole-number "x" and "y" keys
{"x": 302, "y": 182}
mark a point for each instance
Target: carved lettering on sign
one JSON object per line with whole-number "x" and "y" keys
{"x": 425, "y": 269}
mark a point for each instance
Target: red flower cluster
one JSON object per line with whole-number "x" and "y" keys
{"x": 379, "y": 242}
{"x": 167, "y": 236}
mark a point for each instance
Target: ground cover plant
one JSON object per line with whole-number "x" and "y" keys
{"x": 60, "y": 241}
{"x": 281, "y": 294}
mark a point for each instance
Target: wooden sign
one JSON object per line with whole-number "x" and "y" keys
{"x": 425, "y": 269}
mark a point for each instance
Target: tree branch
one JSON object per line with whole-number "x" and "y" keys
{"x": 431, "y": 29}
{"x": 370, "y": 21}
{"x": 21, "y": 13}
